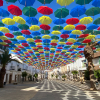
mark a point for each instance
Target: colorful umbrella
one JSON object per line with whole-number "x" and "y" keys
{"x": 1, "y": 3}
{"x": 77, "y": 32}
{"x": 61, "y": 13}
{"x": 45, "y": 1}
{"x": 13, "y": 28}
{"x": 87, "y": 31}
{"x": 30, "y": 40}
{"x": 57, "y": 27}
{"x": 1, "y": 34}
{"x": 13, "y": 1}
{"x": 23, "y": 26}
{"x": 3, "y": 38}
{"x": 72, "y": 21}
{"x": 90, "y": 37}
{"x": 69, "y": 27}
{"x": 71, "y": 40}
{"x": 86, "y": 41}
{"x": 29, "y": 11}
{"x": 97, "y": 21}
{"x": 83, "y": 35}
{"x": 45, "y": 32}
{"x": 17, "y": 33}
{"x": 83, "y": 2}
{"x": 4, "y": 13}
{"x": 34, "y": 28}
{"x": 36, "y": 37}
{"x": 59, "y": 21}
{"x": 45, "y": 20}
{"x": 14, "y": 10}
{"x": 80, "y": 27}
{"x": 54, "y": 37}
{"x": 26, "y": 32}
{"x": 64, "y": 36}
{"x": 9, "y": 35}
{"x": 46, "y": 37}
{"x": 20, "y": 38}
{"x": 92, "y": 26}
{"x": 4, "y": 29}
{"x": 1, "y": 24}
{"x": 45, "y": 27}
{"x": 8, "y": 21}
{"x": 96, "y": 3}
{"x": 45, "y": 10}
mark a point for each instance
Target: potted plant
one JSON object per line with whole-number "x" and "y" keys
{"x": 97, "y": 74}
{"x": 24, "y": 74}
{"x": 36, "y": 76}
{"x": 30, "y": 77}
{"x": 64, "y": 76}
{"x": 75, "y": 72}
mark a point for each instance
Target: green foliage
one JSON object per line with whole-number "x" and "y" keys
{"x": 75, "y": 72}
{"x": 64, "y": 76}
{"x": 52, "y": 75}
{"x": 30, "y": 77}
{"x": 56, "y": 76}
{"x": 24, "y": 74}
{"x": 97, "y": 73}
{"x": 36, "y": 75}
{"x": 87, "y": 75}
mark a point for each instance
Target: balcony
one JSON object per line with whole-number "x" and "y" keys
{"x": 12, "y": 67}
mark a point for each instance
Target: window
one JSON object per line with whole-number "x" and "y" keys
{"x": 83, "y": 63}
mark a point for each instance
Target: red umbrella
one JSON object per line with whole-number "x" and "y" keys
{"x": 81, "y": 51}
{"x": 80, "y": 46}
{"x": 7, "y": 41}
{"x": 59, "y": 48}
{"x": 20, "y": 47}
{"x": 69, "y": 43}
{"x": 41, "y": 52}
{"x": 6, "y": 45}
{"x": 39, "y": 46}
{"x": 46, "y": 48}
{"x": 80, "y": 27}
{"x": 72, "y": 21}
{"x": 93, "y": 48}
{"x": 30, "y": 51}
{"x": 26, "y": 32}
{"x": 45, "y": 27}
{"x": 72, "y": 53}
{"x": 9, "y": 35}
{"x": 53, "y": 44}
{"x": 86, "y": 41}
{"x": 64, "y": 36}
{"x": 35, "y": 49}
{"x": 71, "y": 49}
{"x": 25, "y": 44}
{"x": 98, "y": 28}
{"x": 1, "y": 2}
{"x": 45, "y": 10}
{"x": 83, "y": 35}
{"x": 38, "y": 40}
{"x": 14, "y": 10}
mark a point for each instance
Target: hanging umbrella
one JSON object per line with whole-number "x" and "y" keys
{"x": 38, "y": 40}
{"x": 54, "y": 37}
{"x": 9, "y": 35}
{"x": 34, "y": 28}
{"x": 3, "y": 38}
{"x": 57, "y": 27}
{"x": 69, "y": 43}
{"x": 13, "y": 28}
{"x": 45, "y": 1}
{"x": 54, "y": 41}
{"x": 45, "y": 32}
{"x": 19, "y": 20}
{"x": 71, "y": 40}
{"x": 95, "y": 32}
{"x": 61, "y": 13}
{"x": 1, "y": 3}
{"x": 14, "y": 10}
{"x": 92, "y": 27}
{"x": 73, "y": 35}
{"x": 20, "y": 38}
{"x": 26, "y": 32}
{"x": 92, "y": 11}
{"x": 14, "y": 39}
{"x": 90, "y": 37}
{"x": 4, "y": 13}
{"x": 96, "y": 3}
{"x": 72, "y": 21}
{"x": 17, "y": 33}
{"x": 80, "y": 39}
{"x": 64, "y": 2}
{"x": 8, "y": 21}
{"x": 1, "y": 24}
{"x": 59, "y": 21}
{"x": 64, "y": 36}
{"x": 69, "y": 27}
{"x": 66, "y": 32}
{"x": 36, "y": 37}
{"x": 1, "y": 34}
{"x": 32, "y": 20}
{"x": 46, "y": 37}
{"x": 83, "y": 2}
{"x": 97, "y": 21}
{"x": 45, "y": 10}
{"x": 25, "y": 44}
{"x": 36, "y": 33}
{"x": 80, "y": 27}
{"x": 63, "y": 40}
{"x": 45, "y": 20}
{"x": 46, "y": 41}
{"x": 56, "y": 32}
{"x": 23, "y": 26}
{"x": 29, "y": 11}
{"x": 87, "y": 31}
{"x": 4, "y": 29}
{"x": 13, "y": 1}
{"x": 45, "y": 27}
{"x": 7, "y": 41}
{"x": 83, "y": 35}
{"x": 30, "y": 40}
{"x": 86, "y": 41}
{"x": 78, "y": 11}
{"x": 86, "y": 20}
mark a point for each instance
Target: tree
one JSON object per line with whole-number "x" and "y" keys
{"x": 36, "y": 75}
{"x": 75, "y": 72}
{"x": 56, "y": 76}
{"x": 30, "y": 77}
{"x": 64, "y": 76}
{"x": 24, "y": 74}
{"x": 52, "y": 75}
{"x": 97, "y": 74}
{"x": 5, "y": 58}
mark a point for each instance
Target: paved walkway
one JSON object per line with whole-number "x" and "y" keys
{"x": 47, "y": 90}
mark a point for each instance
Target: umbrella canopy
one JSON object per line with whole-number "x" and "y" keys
{"x": 77, "y": 32}
{"x": 8, "y": 21}
{"x": 92, "y": 26}
{"x": 59, "y": 21}
{"x": 14, "y": 10}
{"x": 36, "y": 33}
{"x": 45, "y": 1}
{"x": 45, "y": 27}
{"x": 66, "y": 32}
{"x": 23, "y": 26}
{"x": 45, "y": 32}
{"x": 46, "y": 37}
{"x": 96, "y": 3}
{"x": 45, "y": 20}
{"x": 1, "y": 34}
{"x": 64, "y": 36}
{"x": 1, "y": 2}
{"x": 4, "y": 13}
{"x": 17, "y": 33}
{"x": 71, "y": 40}
{"x": 54, "y": 37}
{"x": 13, "y": 28}
{"x": 20, "y": 38}
{"x": 56, "y": 32}
{"x": 69, "y": 27}
{"x": 87, "y": 31}
{"x": 86, "y": 41}
{"x": 29, "y": 11}
{"x": 83, "y": 2}
{"x": 13, "y": 1}
{"x": 26, "y": 32}
{"x": 80, "y": 27}
{"x": 97, "y": 21}
{"x": 30, "y": 40}
{"x": 72, "y": 21}
{"x": 9, "y": 35}
{"x": 34, "y": 28}
{"x": 45, "y": 10}
{"x": 57, "y": 27}
{"x": 4, "y": 29}
{"x": 61, "y": 13}
{"x": 83, "y": 35}
{"x": 3, "y": 38}
{"x": 1, "y": 24}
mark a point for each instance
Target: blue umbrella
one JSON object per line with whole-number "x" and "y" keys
{"x": 32, "y": 20}
{"x": 66, "y": 32}
{"x": 36, "y": 33}
{"x": 13, "y": 28}
{"x": 13, "y": 46}
{"x": 78, "y": 11}
{"x": 32, "y": 45}
{"x": 23, "y": 41}
{"x": 4, "y": 13}
{"x": 78, "y": 49}
{"x": 46, "y": 40}
{"x": 73, "y": 36}
{"x": 59, "y": 21}
{"x": 15, "y": 42}
{"x": 27, "y": 47}
{"x": 1, "y": 40}
{"x": 27, "y": 36}
{"x": 1, "y": 34}
{"x": 26, "y": 2}
{"x": 93, "y": 26}
{"x": 96, "y": 3}
{"x": 77, "y": 43}
{"x": 60, "y": 45}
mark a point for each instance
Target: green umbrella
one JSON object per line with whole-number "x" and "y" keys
{"x": 87, "y": 31}
{"x": 61, "y": 13}
{"x": 45, "y": 32}
{"x": 67, "y": 47}
{"x": 80, "y": 39}
{"x": 13, "y": 39}
{"x": 23, "y": 26}
{"x": 83, "y": 2}
{"x": 29, "y": 11}
{"x": 45, "y": 1}
{"x": 46, "y": 44}
{"x": 96, "y": 32}
{"x": 63, "y": 40}
{"x": 1, "y": 24}
{"x": 13, "y": 1}
{"x": 17, "y": 33}
{"x": 53, "y": 46}
{"x": 36, "y": 51}
{"x": 92, "y": 11}
{"x": 36, "y": 37}
{"x": 10, "y": 44}
{"x": 57, "y": 27}
{"x": 97, "y": 21}
{"x": 83, "y": 44}
{"x": 31, "y": 43}
{"x": 54, "y": 37}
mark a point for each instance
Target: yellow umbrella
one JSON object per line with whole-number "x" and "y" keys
{"x": 14, "y": 50}
{"x": 45, "y": 20}
{"x": 40, "y": 50}
{"x": 4, "y": 29}
{"x": 20, "y": 38}
{"x": 46, "y": 51}
{"x": 54, "y": 41}
{"x": 29, "y": 49}
{"x": 56, "y": 32}
{"x": 64, "y": 2}
{"x": 34, "y": 28}
{"x": 19, "y": 20}
{"x": 36, "y": 52}
{"x": 18, "y": 45}
{"x": 74, "y": 46}
{"x": 62, "y": 43}
{"x": 71, "y": 40}
{"x": 34, "y": 47}
{"x": 64, "y": 50}
{"x": 8, "y": 21}
{"x": 77, "y": 32}
{"x": 52, "y": 49}
{"x": 69, "y": 27}
{"x": 3, "y": 43}
{"x": 46, "y": 37}
{"x": 3, "y": 38}
{"x": 98, "y": 49}
{"x": 30, "y": 40}
{"x": 90, "y": 37}
{"x": 39, "y": 43}
{"x": 86, "y": 20}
